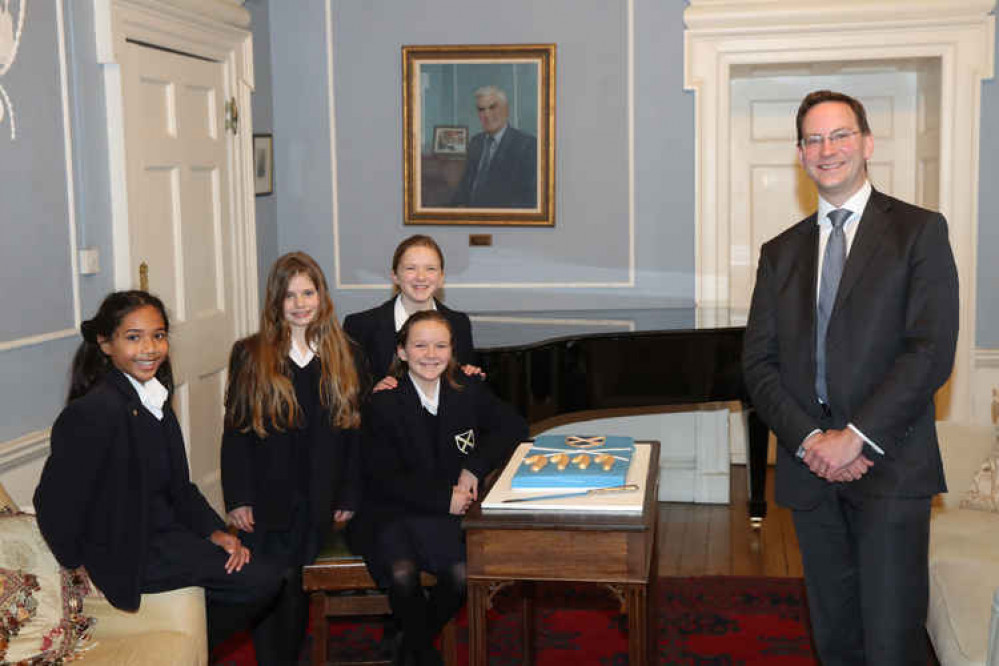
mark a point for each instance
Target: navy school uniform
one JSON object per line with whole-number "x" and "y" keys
{"x": 412, "y": 459}
{"x": 294, "y": 480}
{"x": 115, "y": 497}
{"x": 374, "y": 331}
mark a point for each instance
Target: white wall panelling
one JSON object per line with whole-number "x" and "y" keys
{"x": 40, "y": 338}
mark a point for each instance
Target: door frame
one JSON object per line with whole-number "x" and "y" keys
{"x": 216, "y": 30}
{"x": 723, "y": 34}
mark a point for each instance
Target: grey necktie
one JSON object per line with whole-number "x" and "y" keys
{"x": 832, "y": 270}
{"x": 487, "y": 158}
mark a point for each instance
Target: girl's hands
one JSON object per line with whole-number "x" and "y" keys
{"x": 469, "y": 483}
{"x": 460, "y": 501}
{"x": 473, "y": 371}
{"x": 239, "y": 554}
{"x": 342, "y": 515}
{"x": 387, "y": 382}
{"x": 242, "y": 518}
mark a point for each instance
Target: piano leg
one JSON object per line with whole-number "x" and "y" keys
{"x": 759, "y": 436}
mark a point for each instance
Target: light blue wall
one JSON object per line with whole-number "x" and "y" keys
{"x": 263, "y": 123}
{"x": 987, "y": 335}
{"x": 590, "y": 242}
{"x": 35, "y": 268}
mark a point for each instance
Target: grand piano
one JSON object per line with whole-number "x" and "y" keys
{"x": 550, "y": 364}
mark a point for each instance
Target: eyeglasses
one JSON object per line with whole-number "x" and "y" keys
{"x": 836, "y": 139}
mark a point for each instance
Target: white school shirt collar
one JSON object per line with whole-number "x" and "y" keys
{"x": 152, "y": 394}
{"x": 301, "y": 359}
{"x": 429, "y": 402}
{"x": 400, "y": 312}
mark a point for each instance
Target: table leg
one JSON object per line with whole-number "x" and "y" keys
{"x": 651, "y": 620}
{"x": 320, "y": 628}
{"x": 527, "y": 622}
{"x": 638, "y": 624}
{"x": 478, "y": 601}
{"x": 759, "y": 437}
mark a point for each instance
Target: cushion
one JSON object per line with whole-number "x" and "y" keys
{"x": 983, "y": 495}
{"x": 41, "y": 603}
{"x": 959, "y": 610}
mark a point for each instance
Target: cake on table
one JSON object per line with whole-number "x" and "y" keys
{"x": 569, "y": 462}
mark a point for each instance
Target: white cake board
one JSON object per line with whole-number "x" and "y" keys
{"x": 629, "y": 502}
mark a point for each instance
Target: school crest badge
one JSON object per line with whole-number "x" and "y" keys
{"x": 465, "y": 441}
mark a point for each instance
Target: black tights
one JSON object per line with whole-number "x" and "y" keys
{"x": 422, "y": 615}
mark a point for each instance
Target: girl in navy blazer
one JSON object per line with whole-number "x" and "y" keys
{"x": 115, "y": 496}
{"x": 417, "y": 276}
{"x": 428, "y": 443}
{"x": 290, "y": 441}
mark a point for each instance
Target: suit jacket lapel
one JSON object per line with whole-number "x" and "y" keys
{"x": 873, "y": 225}
{"x": 807, "y": 275}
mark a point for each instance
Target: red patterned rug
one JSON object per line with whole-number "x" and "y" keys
{"x": 704, "y": 621}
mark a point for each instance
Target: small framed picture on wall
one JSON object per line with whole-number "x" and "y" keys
{"x": 263, "y": 164}
{"x": 450, "y": 140}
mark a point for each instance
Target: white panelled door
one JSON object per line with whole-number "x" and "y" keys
{"x": 181, "y": 229}
{"x": 770, "y": 191}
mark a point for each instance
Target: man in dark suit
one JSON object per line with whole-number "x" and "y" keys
{"x": 852, "y": 329}
{"x": 501, "y": 170}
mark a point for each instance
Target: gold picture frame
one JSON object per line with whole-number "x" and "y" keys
{"x": 505, "y": 95}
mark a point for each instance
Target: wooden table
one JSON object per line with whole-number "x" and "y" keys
{"x": 617, "y": 551}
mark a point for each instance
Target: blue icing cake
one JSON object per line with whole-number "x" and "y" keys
{"x": 568, "y": 461}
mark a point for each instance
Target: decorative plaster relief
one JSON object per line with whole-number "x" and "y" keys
{"x": 10, "y": 38}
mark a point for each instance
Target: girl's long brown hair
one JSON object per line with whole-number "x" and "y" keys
{"x": 260, "y": 393}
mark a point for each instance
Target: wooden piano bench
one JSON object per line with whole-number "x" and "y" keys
{"x": 339, "y": 586}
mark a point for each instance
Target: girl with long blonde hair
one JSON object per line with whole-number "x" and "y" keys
{"x": 290, "y": 444}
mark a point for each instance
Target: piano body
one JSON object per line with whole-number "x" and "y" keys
{"x": 550, "y": 364}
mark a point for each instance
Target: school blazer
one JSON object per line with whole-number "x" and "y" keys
{"x": 406, "y": 471}
{"x": 374, "y": 331}
{"x": 890, "y": 345}
{"x": 258, "y": 472}
{"x": 92, "y": 501}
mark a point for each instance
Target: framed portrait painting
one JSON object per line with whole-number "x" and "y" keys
{"x": 479, "y": 134}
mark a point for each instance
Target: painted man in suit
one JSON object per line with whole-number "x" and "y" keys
{"x": 501, "y": 169}
{"x": 852, "y": 329}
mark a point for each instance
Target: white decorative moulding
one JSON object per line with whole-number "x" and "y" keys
{"x": 775, "y": 15}
{"x": 957, "y": 37}
{"x": 12, "y": 16}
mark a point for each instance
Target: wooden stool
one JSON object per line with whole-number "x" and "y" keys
{"x": 339, "y": 586}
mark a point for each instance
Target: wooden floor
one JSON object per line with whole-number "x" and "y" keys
{"x": 717, "y": 539}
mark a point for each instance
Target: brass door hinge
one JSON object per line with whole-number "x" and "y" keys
{"x": 232, "y": 115}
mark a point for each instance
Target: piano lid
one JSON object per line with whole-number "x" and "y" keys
{"x": 497, "y": 330}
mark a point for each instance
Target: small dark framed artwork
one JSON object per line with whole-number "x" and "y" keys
{"x": 450, "y": 140}
{"x": 263, "y": 164}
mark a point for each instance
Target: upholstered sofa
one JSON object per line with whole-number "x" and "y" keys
{"x": 963, "y": 619}
{"x": 168, "y": 628}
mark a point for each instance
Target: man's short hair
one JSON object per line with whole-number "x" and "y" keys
{"x": 821, "y": 96}
{"x": 491, "y": 91}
